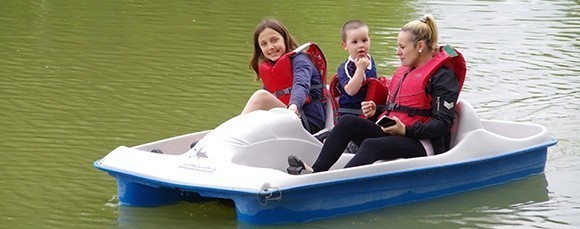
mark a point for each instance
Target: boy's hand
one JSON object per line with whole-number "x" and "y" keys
{"x": 355, "y": 83}
{"x": 362, "y": 62}
{"x": 369, "y": 108}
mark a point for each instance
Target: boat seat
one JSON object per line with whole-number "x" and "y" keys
{"x": 329, "y": 122}
{"x": 465, "y": 122}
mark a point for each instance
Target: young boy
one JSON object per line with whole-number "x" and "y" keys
{"x": 357, "y": 68}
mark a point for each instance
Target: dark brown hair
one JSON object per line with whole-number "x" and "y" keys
{"x": 258, "y": 57}
{"x": 349, "y": 25}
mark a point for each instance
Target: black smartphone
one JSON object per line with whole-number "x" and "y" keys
{"x": 385, "y": 121}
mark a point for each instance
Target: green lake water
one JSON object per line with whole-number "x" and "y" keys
{"x": 79, "y": 78}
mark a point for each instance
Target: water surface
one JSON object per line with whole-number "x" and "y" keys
{"x": 79, "y": 78}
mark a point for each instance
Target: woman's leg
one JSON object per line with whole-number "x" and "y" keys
{"x": 262, "y": 100}
{"x": 349, "y": 128}
{"x": 386, "y": 148}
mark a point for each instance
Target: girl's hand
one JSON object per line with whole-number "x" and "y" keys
{"x": 397, "y": 129}
{"x": 294, "y": 107}
{"x": 368, "y": 108}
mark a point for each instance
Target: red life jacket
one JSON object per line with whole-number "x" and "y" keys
{"x": 376, "y": 91}
{"x": 278, "y": 77}
{"x": 407, "y": 98}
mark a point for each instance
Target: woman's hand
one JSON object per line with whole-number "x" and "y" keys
{"x": 294, "y": 107}
{"x": 397, "y": 129}
{"x": 368, "y": 108}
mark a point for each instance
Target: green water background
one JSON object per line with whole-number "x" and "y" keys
{"x": 79, "y": 78}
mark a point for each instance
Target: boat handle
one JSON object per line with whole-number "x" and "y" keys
{"x": 267, "y": 194}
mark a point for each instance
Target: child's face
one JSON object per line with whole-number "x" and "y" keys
{"x": 272, "y": 44}
{"x": 358, "y": 42}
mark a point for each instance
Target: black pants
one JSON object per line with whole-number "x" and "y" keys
{"x": 374, "y": 144}
{"x": 312, "y": 129}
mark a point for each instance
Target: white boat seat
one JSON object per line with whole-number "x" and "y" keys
{"x": 329, "y": 122}
{"x": 465, "y": 122}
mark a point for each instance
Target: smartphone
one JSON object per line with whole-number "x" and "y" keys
{"x": 385, "y": 121}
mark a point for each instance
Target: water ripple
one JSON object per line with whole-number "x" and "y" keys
{"x": 80, "y": 79}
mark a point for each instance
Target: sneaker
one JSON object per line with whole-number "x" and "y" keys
{"x": 295, "y": 165}
{"x": 351, "y": 148}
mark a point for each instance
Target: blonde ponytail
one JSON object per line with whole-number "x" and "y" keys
{"x": 424, "y": 29}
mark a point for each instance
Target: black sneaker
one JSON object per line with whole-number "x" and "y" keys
{"x": 351, "y": 148}
{"x": 295, "y": 165}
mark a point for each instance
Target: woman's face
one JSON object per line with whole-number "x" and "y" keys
{"x": 406, "y": 50}
{"x": 272, "y": 44}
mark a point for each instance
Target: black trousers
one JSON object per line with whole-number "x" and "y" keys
{"x": 374, "y": 144}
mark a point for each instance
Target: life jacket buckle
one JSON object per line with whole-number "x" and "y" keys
{"x": 412, "y": 112}
{"x": 285, "y": 91}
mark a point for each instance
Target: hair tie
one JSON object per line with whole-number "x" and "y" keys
{"x": 423, "y": 19}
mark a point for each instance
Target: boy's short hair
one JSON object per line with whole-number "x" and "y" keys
{"x": 349, "y": 25}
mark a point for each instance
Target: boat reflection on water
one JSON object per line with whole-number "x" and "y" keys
{"x": 185, "y": 214}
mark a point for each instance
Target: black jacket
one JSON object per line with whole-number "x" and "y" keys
{"x": 444, "y": 90}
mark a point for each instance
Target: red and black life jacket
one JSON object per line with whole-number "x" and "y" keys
{"x": 376, "y": 91}
{"x": 407, "y": 99}
{"x": 278, "y": 77}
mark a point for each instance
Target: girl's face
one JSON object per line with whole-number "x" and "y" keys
{"x": 272, "y": 44}
{"x": 358, "y": 42}
{"x": 406, "y": 50}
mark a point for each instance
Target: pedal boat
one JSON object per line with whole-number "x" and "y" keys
{"x": 245, "y": 160}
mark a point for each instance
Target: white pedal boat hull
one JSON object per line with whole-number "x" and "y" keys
{"x": 244, "y": 160}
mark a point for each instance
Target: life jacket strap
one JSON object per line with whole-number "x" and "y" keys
{"x": 304, "y": 120}
{"x": 349, "y": 111}
{"x": 408, "y": 110}
{"x": 285, "y": 91}
{"x": 316, "y": 86}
